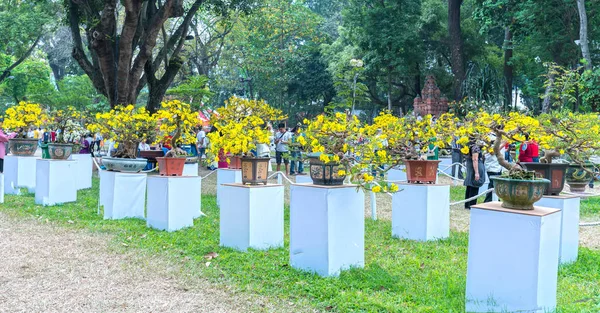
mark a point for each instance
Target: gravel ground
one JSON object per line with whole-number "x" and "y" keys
{"x": 50, "y": 269}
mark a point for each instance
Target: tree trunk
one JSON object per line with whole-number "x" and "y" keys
{"x": 583, "y": 34}
{"x": 456, "y": 47}
{"x": 6, "y": 72}
{"x": 389, "y": 93}
{"x": 508, "y": 68}
{"x": 546, "y": 104}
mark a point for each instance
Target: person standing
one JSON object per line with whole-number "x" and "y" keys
{"x": 296, "y": 153}
{"x": 475, "y": 174}
{"x": 3, "y": 141}
{"x": 200, "y": 138}
{"x": 432, "y": 151}
{"x": 492, "y": 168}
{"x": 282, "y": 139}
{"x": 457, "y": 157}
{"x": 525, "y": 151}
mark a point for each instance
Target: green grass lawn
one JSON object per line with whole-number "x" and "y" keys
{"x": 399, "y": 276}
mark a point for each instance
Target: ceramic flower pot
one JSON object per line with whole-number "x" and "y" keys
{"x": 519, "y": 194}
{"x": 325, "y": 174}
{"x": 578, "y": 176}
{"x": 255, "y": 170}
{"x": 554, "y": 172}
{"x": 421, "y": 171}
{"x": 170, "y": 166}
{"x": 22, "y": 146}
{"x": 124, "y": 165}
{"x": 60, "y": 151}
{"x": 235, "y": 162}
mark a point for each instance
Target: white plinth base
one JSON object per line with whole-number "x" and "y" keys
{"x": 396, "y": 175}
{"x": 226, "y": 176}
{"x": 303, "y": 179}
{"x": 173, "y": 202}
{"x": 190, "y": 169}
{"x": 252, "y": 217}
{"x": 1, "y": 188}
{"x": 55, "y": 182}
{"x": 421, "y": 212}
{"x": 569, "y": 230}
{"x": 19, "y": 172}
{"x": 83, "y": 176}
{"x": 327, "y": 228}
{"x": 123, "y": 195}
{"x": 513, "y": 259}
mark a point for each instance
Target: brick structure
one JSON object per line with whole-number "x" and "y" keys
{"x": 431, "y": 101}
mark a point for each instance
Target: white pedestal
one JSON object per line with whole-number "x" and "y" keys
{"x": 252, "y": 217}
{"x": 83, "y": 175}
{"x": 513, "y": 259}
{"x": 569, "y": 230}
{"x": 396, "y": 175}
{"x": 190, "y": 169}
{"x": 19, "y": 172}
{"x": 1, "y": 188}
{"x": 55, "y": 181}
{"x": 226, "y": 176}
{"x": 123, "y": 195}
{"x": 173, "y": 202}
{"x": 421, "y": 212}
{"x": 303, "y": 179}
{"x": 327, "y": 228}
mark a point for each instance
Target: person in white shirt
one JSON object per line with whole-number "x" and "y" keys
{"x": 201, "y": 142}
{"x": 282, "y": 139}
{"x": 144, "y": 146}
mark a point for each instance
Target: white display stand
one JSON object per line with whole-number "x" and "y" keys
{"x": 396, "y": 175}
{"x": 513, "y": 259}
{"x": 226, "y": 176}
{"x": 55, "y": 183}
{"x": 123, "y": 195}
{"x": 19, "y": 172}
{"x": 1, "y": 188}
{"x": 252, "y": 217}
{"x": 421, "y": 212}
{"x": 173, "y": 202}
{"x": 569, "y": 230}
{"x": 83, "y": 175}
{"x": 327, "y": 228}
{"x": 190, "y": 169}
{"x": 303, "y": 179}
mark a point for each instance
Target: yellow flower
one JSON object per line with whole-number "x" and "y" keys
{"x": 376, "y": 189}
{"x": 464, "y": 150}
{"x": 393, "y": 188}
{"x": 341, "y": 173}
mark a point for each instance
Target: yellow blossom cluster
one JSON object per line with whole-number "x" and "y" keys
{"x": 176, "y": 119}
{"x": 127, "y": 126}
{"x": 241, "y": 126}
{"x": 576, "y": 135}
{"x": 23, "y": 116}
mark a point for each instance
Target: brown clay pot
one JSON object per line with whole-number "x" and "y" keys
{"x": 554, "y": 172}
{"x": 421, "y": 171}
{"x": 170, "y": 166}
{"x": 235, "y": 162}
{"x": 255, "y": 170}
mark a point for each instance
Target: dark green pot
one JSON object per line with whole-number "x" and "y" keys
{"x": 60, "y": 151}
{"x": 519, "y": 194}
{"x": 325, "y": 174}
{"x": 555, "y": 172}
{"x": 578, "y": 178}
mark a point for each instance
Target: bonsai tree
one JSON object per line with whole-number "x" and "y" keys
{"x": 127, "y": 126}
{"x": 490, "y": 131}
{"x": 342, "y": 140}
{"x": 66, "y": 122}
{"x": 177, "y": 120}
{"x": 25, "y": 115}
{"x": 572, "y": 134}
{"x": 241, "y": 126}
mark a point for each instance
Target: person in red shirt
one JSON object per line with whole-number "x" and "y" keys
{"x": 529, "y": 151}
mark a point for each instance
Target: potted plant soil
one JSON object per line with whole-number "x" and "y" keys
{"x": 176, "y": 120}
{"x": 576, "y": 137}
{"x": 517, "y": 188}
{"x": 243, "y": 133}
{"x": 127, "y": 126}
{"x": 20, "y": 118}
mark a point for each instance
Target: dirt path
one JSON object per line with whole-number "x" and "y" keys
{"x": 49, "y": 269}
